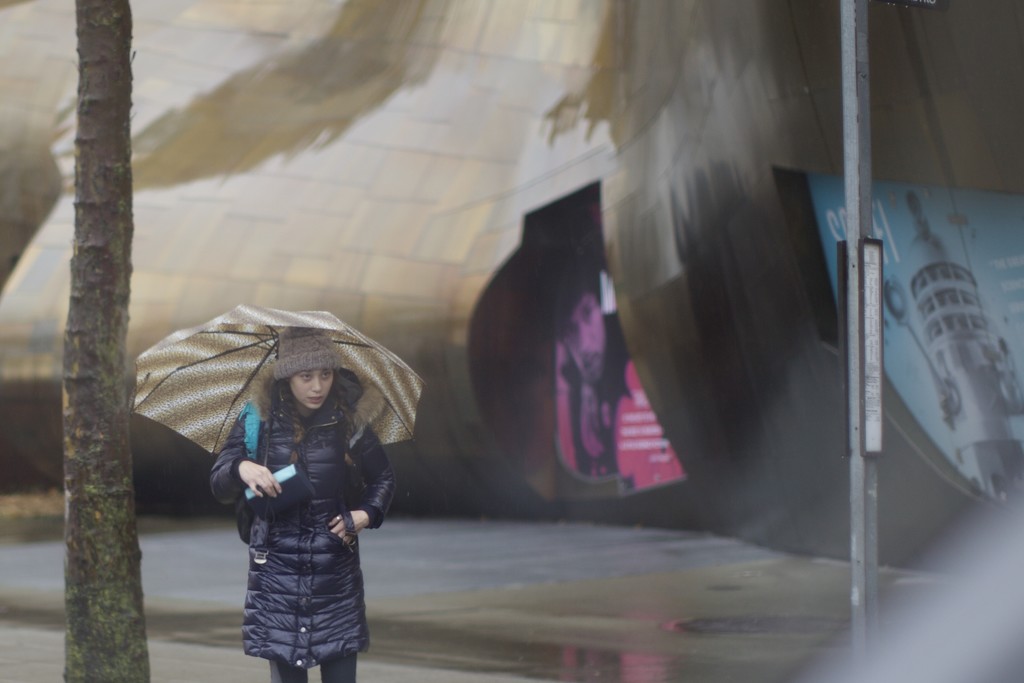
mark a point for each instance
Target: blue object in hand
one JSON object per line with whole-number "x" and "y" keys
{"x": 295, "y": 488}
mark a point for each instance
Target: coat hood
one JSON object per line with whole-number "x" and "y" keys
{"x": 368, "y": 405}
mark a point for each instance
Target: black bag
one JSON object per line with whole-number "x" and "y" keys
{"x": 295, "y": 488}
{"x": 244, "y": 517}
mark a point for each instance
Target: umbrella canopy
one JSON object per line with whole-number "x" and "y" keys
{"x": 197, "y": 380}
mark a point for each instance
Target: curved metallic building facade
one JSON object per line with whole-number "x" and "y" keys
{"x": 408, "y": 165}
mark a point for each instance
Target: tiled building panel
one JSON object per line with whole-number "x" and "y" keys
{"x": 521, "y": 85}
{"x": 462, "y": 23}
{"x": 165, "y": 60}
{"x": 272, "y": 197}
{"x": 562, "y": 11}
{"x": 413, "y": 135}
{"x": 150, "y": 288}
{"x": 58, "y": 229}
{"x": 216, "y": 252}
{"x": 383, "y": 227}
{"x": 27, "y": 366}
{"x": 15, "y": 335}
{"x": 453, "y": 73}
{"x": 401, "y": 175}
{"x": 449, "y": 237}
{"x": 151, "y": 96}
{"x": 305, "y": 231}
{"x": 201, "y": 298}
{"x": 19, "y": 79}
{"x": 52, "y": 83}
{"x": 371, "y": 161}
{"x": 465, "y": 125}
{"x": 500, "y": 32}
{"x": 226, "y": 191}
{"x": 339, "y": 299}
{"x": 507, "y": 134}
{"x": 405, "y": 278}
{"x": 215, "y": 51}
{"x": 347, "y": 165}
{"x": 164, "y": 13}
{"x": 39, "y": 26}
{"x": 378, "y": 316}
{"x": 256, "y": 263}
{"x": 272, "y": 17}
{"x": 185, "y": 240}
{"x": 490, "y": 248}
{"x": 147, "y": 318}
{"x": 274, "y": 294}
{"x": 34, "y": 276}
{"x": 568, "y": 43}
{"x": 477, "y": 181}
{"x": 438, "y": 179}
{"x": 146, "y": 249}
{"x": 463, "y": 303}
{"x": 4, "y": 4}
{"x": 348, "y": 270}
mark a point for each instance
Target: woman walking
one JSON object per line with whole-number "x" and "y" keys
{"x": 304, "y": 606}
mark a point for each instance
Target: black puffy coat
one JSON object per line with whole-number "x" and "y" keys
{"x": 304, "y": 604}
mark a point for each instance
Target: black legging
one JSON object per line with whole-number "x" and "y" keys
{"x": 335, "y": 671}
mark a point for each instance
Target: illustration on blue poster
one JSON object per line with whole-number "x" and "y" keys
{"x": 954, "y": 315}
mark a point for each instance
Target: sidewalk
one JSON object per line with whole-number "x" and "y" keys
{"x": 461, "y": 601}
{"x": 34, "y": 655}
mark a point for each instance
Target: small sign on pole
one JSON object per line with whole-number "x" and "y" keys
{"x": 871, "y": 325}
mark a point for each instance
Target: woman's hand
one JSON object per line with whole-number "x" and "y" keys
{"x": 259, "y": 479}
{"x": 360, "y": 520}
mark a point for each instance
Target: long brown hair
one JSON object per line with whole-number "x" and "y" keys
{"x": 345, "y": 393}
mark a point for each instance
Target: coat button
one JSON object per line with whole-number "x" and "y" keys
{"x": 302, "y": 630}
{"x": 298, "y": 662}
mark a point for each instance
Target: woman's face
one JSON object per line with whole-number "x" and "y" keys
{"x": 311, "y": 388}
{"x": 585, "y": 337}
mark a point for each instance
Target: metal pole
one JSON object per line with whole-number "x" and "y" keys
{"x": 857, "y": 174}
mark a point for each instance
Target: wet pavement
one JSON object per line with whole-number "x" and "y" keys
{"x": 482, "y": 601}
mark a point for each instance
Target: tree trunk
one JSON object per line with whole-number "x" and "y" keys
{"x": 106, "y": 632}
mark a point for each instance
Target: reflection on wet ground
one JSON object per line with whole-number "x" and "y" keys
{"x": 539, "y": 601}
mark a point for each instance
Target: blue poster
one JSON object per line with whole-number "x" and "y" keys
{"x": 953, "y": 297}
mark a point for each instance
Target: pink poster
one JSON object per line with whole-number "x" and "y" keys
{"x": 645, "y": 456}
{"x": 606, "y": 428}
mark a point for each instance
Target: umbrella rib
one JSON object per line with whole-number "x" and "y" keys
{"x": 207, "y": 359}
{"x": 241, "y": 392}
{"x": 395, "y": 412}
{"x": 365, "y": 345}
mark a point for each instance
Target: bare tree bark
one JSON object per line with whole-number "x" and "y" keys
{"x": 106, "y": 632}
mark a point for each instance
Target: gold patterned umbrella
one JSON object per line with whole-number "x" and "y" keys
{"x": 196, "y": 381}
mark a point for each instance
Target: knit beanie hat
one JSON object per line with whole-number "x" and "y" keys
{"x": 304, "y": 348}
